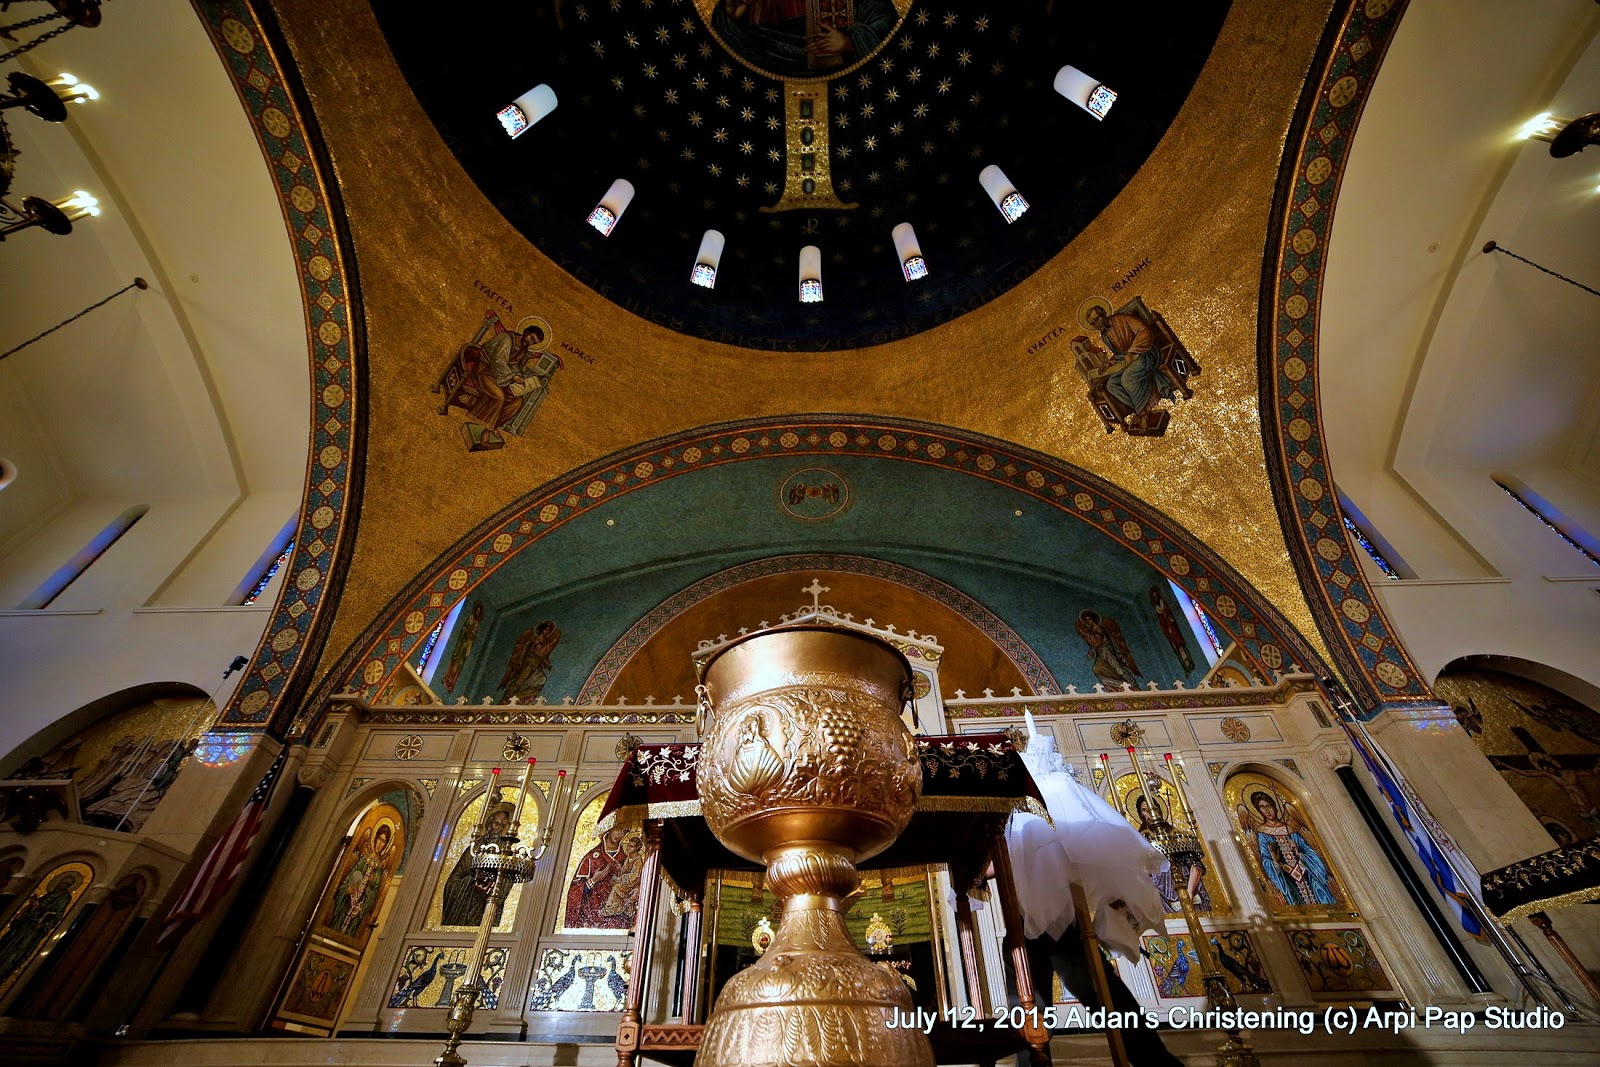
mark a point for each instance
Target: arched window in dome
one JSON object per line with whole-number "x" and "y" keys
{"x": 73, "y": 569}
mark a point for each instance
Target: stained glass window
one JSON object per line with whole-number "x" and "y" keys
{"x": 427, "y": 649}
{"x": 74, "y": 567}
{"x": 602, "y": 219}
{"x": 513, "y": 119}
{"x": 1100, "y": 100}
{"x": 1536, "y": 513}
{"x": 704, "y": 274}
{"x": 267, "y": 576}
{"x": 1371, "y": 549}
{"x": 915, "y": 267}
{"x": 811, "y": 291}
{"x": 1205, "y": 624}
{"x": 1199, "y": 623}
{"x": 1013, "y": 206}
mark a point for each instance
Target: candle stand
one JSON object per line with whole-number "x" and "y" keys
{"x": 499, "y": 861}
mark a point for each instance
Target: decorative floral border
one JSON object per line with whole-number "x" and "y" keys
{"x": 302, "y": 613}
{"x": 1027, "y": 662}
{"x": 402, "y": 627}
{"x": 1346, "y": 610}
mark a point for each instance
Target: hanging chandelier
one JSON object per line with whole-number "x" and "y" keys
{"x": 69, "y": 13}
{"x": 48, "y": 100}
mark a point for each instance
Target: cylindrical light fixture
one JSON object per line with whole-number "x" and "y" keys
{"x": 1088, "y": 93}
{"x": 611, "y": 206}
{"x": 912, "y": 265}
{"x": 1002, "y": 192}
{"x": 811, "y": 275}
{"x": 706, "y": 260}
{"x": 527, "y": 109}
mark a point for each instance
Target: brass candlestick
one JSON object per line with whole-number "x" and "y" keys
{"x": 808, "y": 768}
{"x": 499, "y": 861}
{"x": 1180, "y": 843}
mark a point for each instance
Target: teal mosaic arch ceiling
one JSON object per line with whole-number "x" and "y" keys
{"x": 1104, "y": 513}
{"x": 1365, "y": 647}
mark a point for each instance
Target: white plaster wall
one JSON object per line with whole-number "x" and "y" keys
{"x": 100, "y": 637}
{"x": 1441, "y": 365}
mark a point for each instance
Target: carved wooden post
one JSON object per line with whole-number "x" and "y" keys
{"x": 691, "y": 958}
{"x": 1559, "y": 943}
{"x": 1097, "y": 971}
{"x": 969, "y": 954}
{"x": 649, "y": 890}
{"x": 1033, "y": 1029}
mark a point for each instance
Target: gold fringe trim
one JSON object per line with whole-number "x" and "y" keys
{"x": 1564, "y": 900}
{"x": 674, "y": 809}
{"x": 633, "y": 815}
{"x": 982, "y": 805}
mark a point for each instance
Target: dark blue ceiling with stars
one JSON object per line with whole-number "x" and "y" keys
{"x": 648, "y": 92}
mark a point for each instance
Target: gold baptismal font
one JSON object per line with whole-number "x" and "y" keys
{"x": 807, "y": 767}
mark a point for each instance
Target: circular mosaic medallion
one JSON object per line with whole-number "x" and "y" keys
{"x": 921, "y": 684}
{"x": 238, "y": 36}
{"x": 276, "y": 122}
{"x": 408, "y": 747}
{"x": 1235, "y": 729}
{"x": 814, "y": 494}
{"x": 1127, "y": 733}
{"x": 1390, "y": 674}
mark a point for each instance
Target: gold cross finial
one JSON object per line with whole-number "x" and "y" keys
{"x": 816, "y": 589}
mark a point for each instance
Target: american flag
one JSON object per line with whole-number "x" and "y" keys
{"x": 216, "y": 875}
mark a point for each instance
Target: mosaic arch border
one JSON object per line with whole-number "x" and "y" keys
{"x": 1022, "y": 656}
{"x": 248, "y": 47}
{"x": 401, "y": 627}
{"x": 1360, "y": 637}
{"x": 1362, "y": 641}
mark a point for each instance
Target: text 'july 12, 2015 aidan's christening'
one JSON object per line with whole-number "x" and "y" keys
{"x": 1332, "y": 1020}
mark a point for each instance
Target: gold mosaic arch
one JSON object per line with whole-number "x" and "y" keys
{"x": 248, "y": 45}
{"x": 1360, "y": 637}
{"x": 1363, "y": 643}
{"x": 1269, "y": 641}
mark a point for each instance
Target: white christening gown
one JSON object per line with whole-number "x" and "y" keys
{"x": 1090, "y": 844}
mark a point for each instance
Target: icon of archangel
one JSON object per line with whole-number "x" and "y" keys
{"x": 1131, "y": 361}
{"x": 499, "y": 378}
